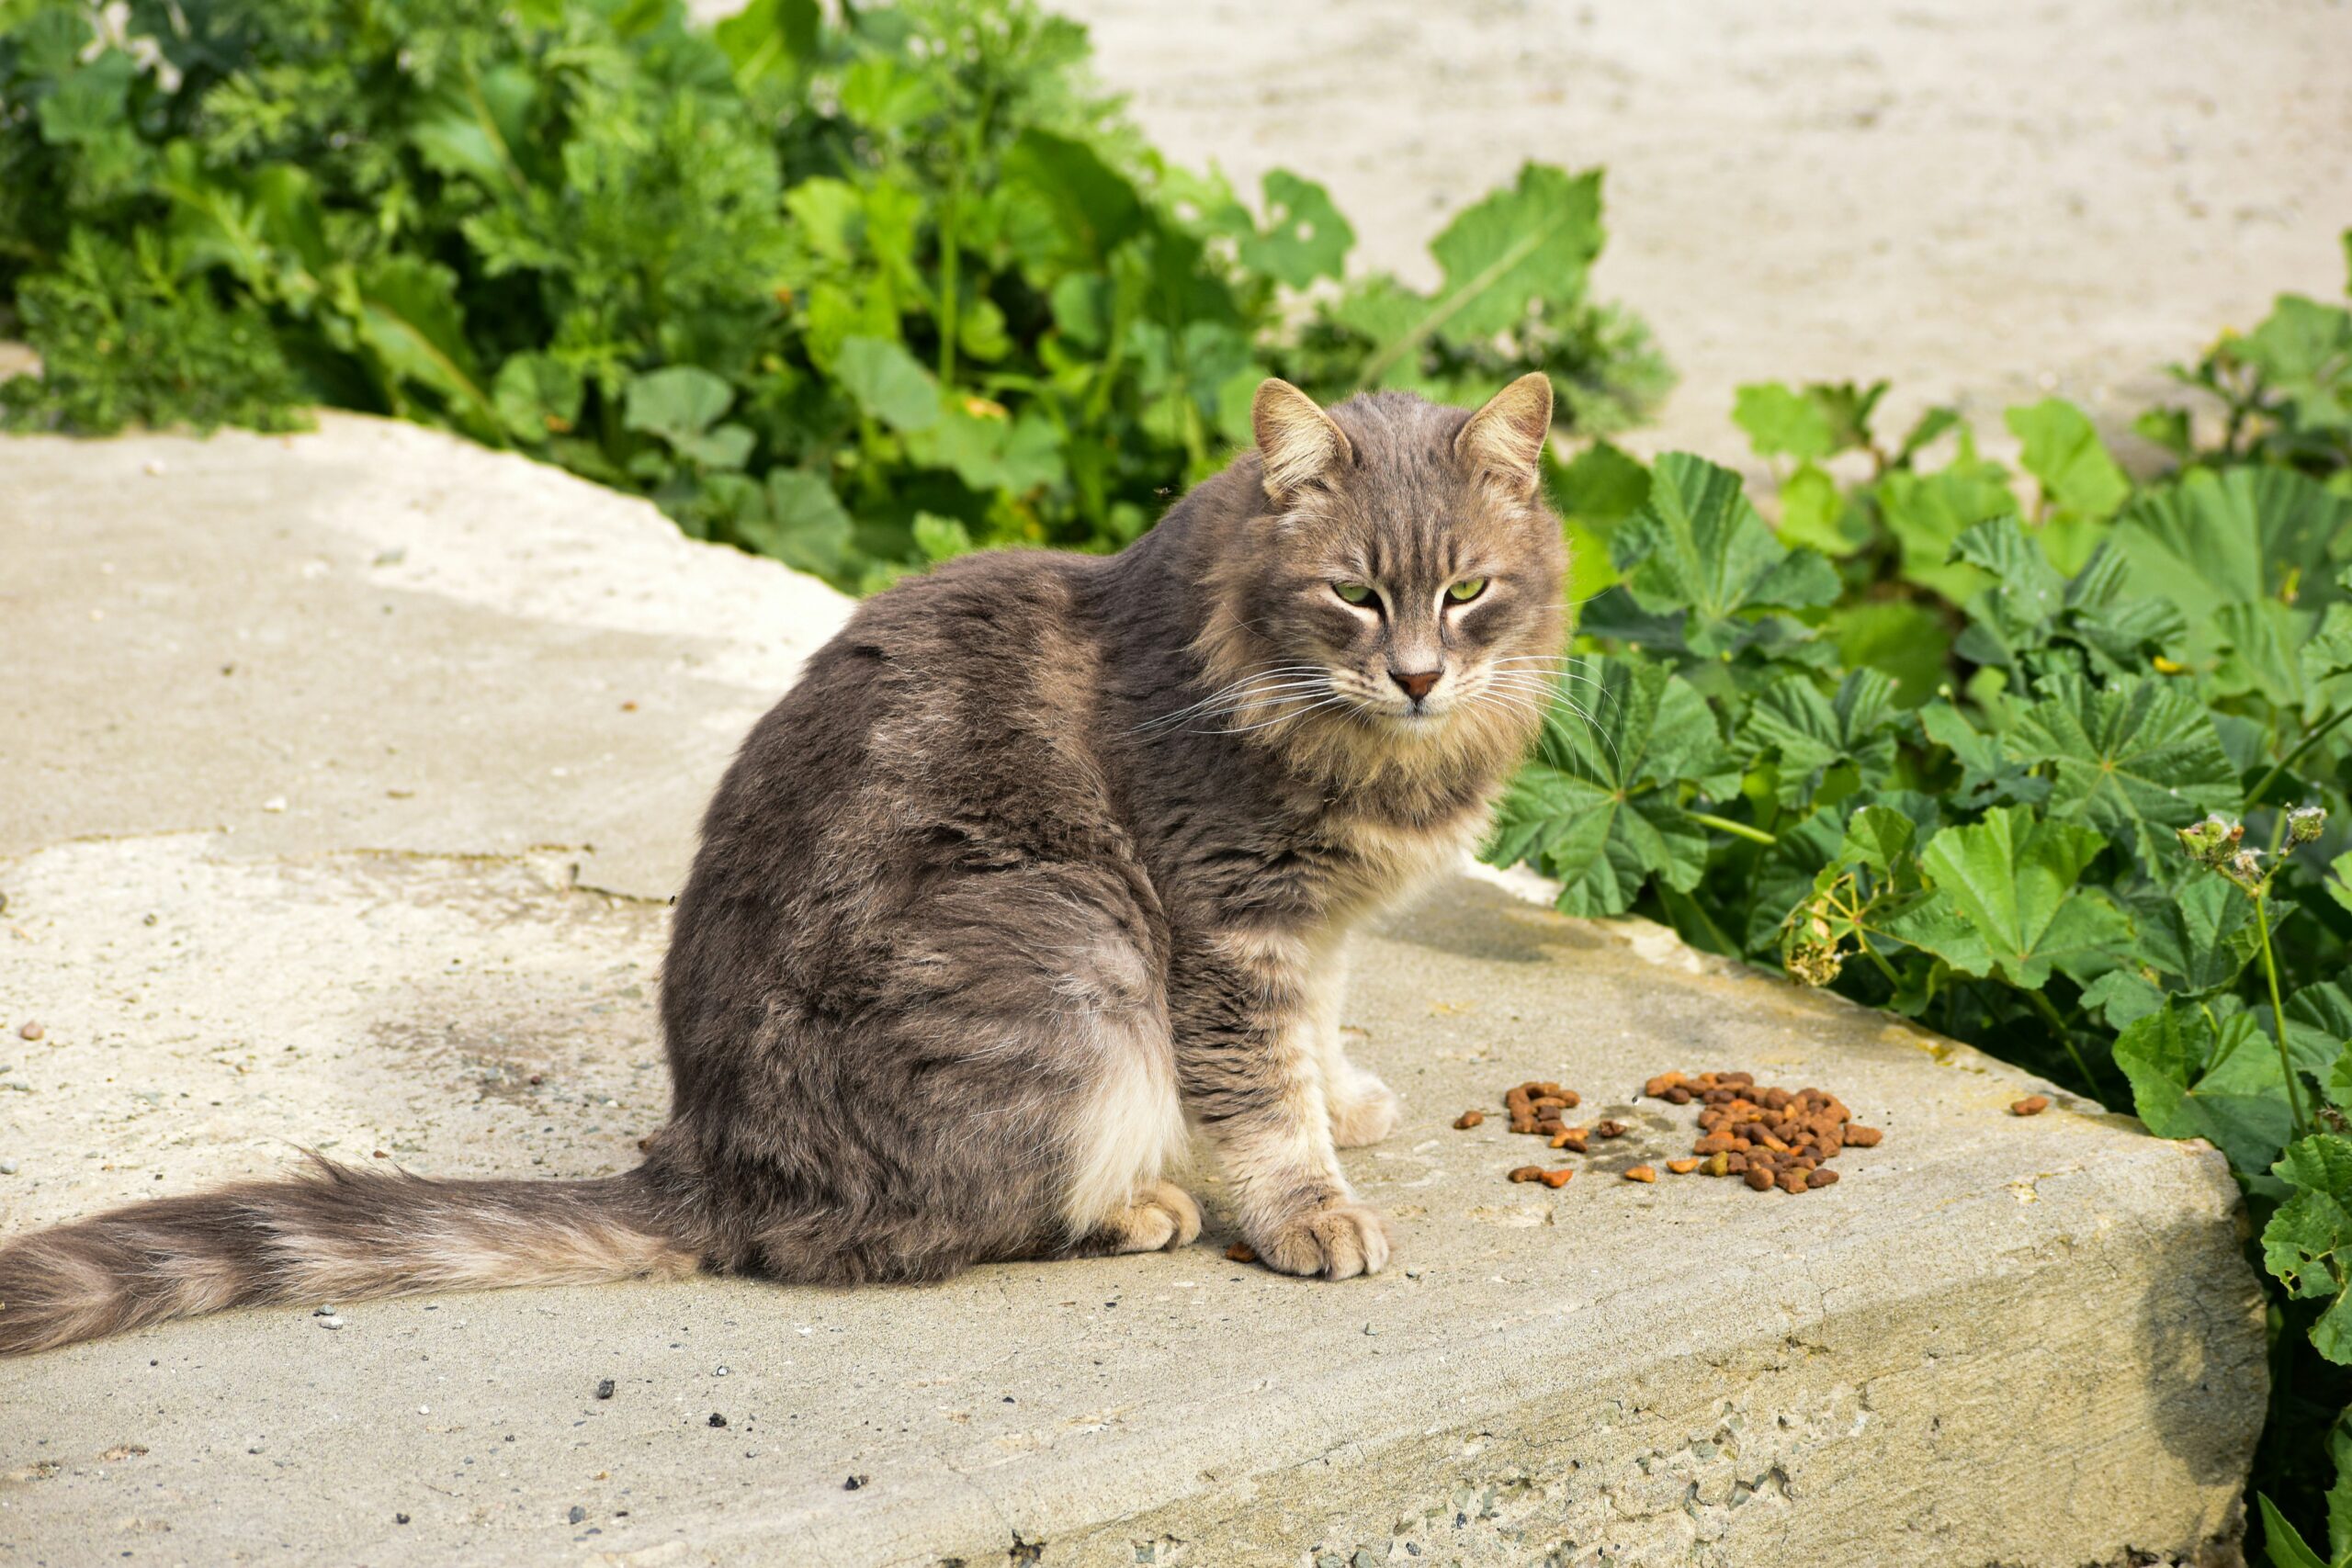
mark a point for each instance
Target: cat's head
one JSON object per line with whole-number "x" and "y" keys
{"x": 1396, "y": 606}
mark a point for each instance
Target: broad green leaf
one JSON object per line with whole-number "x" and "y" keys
{"x": 805, "y": 527}
{"x": 1989, "y": 775}
{"x": 1593, "y": 492}
{"x": 680, "y": 405}
{"x": 2065, "y": 455}
{"x": 2120, "y": 998}
{"x": 1877, "y": 837}
{"x": 2201, "y": 1072}
{"x": 882, "y": 96}
{"x": 2202, "y": 935}
{"x": 471, "y": 124}
{"x": 1927, "y": 512}
{"x": 1304, "y": 238}
{"x": 1811, "y": 733}
{"x": 769, "y": 37}
{"x": 2319, "y": 1025}
{"x": 941, "y": 539}
{"x": 538, "y": 396}
{"x": 1698, "y": 547}
{"x": 2245, "y": 535}
{"x": 1781, "y": 421}
{"x": 1900, "y": 637}
{"x": 2134, "y": 761}
{"x": 887, "y": 383}
{"x": 2307, "y": 1246}
{"x": 829, "y": 214}
{"x": 2010, "y": 881}
{"x": 410, "y": 318}
{"x": 1531, "y": 242}
{"x": 1815, "y": 514}
{"x": 2340, "y": 889}
{"x": 991, "y": 451}
{"x": 1597, "y": 809}
{"x": 2328, "y": 653}
{"x": 1091, "y": 209}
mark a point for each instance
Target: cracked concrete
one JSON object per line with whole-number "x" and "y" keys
{"x": 393, "y": 885}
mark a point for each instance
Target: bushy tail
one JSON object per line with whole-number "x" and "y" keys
{"x": 332, "y": 1234}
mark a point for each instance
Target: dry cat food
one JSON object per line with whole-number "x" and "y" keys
{"x": 1766, "y": 1135}
{"x": 2032, "y": 1105}
{"x": 1535, "y": 1107}
{"x": 1641, "y": 1173}
{"x": 1554, "y": 1178}
{"x": 1468, "y": 1120}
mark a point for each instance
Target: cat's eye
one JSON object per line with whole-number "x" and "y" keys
{"x": 1469, "y": 588}
{"x": 1353, "y": 593}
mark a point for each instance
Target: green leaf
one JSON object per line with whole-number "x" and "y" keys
{"x": 2120, "y": 998}
{"x": 1989, "y": 775}
{"x": 1811, "y": 733}
{"x": 680, "y": 404}
{"x": 2282, "y": 1542}
{"x": 2341, "y": 888}
{"x": 2010, "y": 881}
{"x": 1927, "y": 512}
{"x": 2236, "y": 538}
{"x": 769, "y": 37}
{"x": 1596, "y": 809}
{"x": 805, "y": 526}
{"x": 1698, "y": 547}
{"x": 410, "y": 319}
{"x": 1533, "y": 242}
{"x": 1091, "y": 209}
{"x": 2065, "y": 455}
{"x": 2307, "y": 1246}
{"x": 2135, "y": 759}
{"x": 538, "y": 396}
{"x": 887, "y": 382}
{"x": 941, "y": 539}
{"x": 1813, "y": 513}
{"x": 2202, "y": 935}
{"x": 1306, "y": 238}
{"x": 1780, "y": 420}
{"x": 1902, "y": 638}
{"x": 1877, "y": 837}
{"x": 2200, "y": 1072}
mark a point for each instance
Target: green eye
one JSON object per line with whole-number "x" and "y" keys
{"x": 1469, "y": 588}
{"x": 1353, "y": 593}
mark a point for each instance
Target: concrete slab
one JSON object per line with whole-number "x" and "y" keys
{"x": 2029, "y": 1342}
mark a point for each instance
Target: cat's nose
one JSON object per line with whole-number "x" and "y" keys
{"x": 1415, "y": 686}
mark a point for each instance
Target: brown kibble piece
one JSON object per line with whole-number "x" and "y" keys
{"x": 1682, "y": 1167}
{"x": 1641, "y": 1173}
{"x": 1239, "y": 1252}
{"x": 1759, "y": 1178}
{"x": 2032, "y": 1105}
{"x": 1677, "y": 1095}
{"x": 1570, "y": 1138}
{"x": 1792, "y": 1181}
{"x": 1559, "y": 1177}
{"x": 1719, "y": 1164}
{"x": 1664, "y": 1081}
{"x": 1610, "y": 1129}
{"x": 1861, "y": 1137}
{"x": 1825, "y": 1177}
{"x": 1527, "y": 1173}
{"x": 1468, "y": 1120}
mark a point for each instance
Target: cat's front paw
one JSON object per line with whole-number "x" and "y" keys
{"x": 1338, "y": 1242}
{"x": 1367, "y": 1113}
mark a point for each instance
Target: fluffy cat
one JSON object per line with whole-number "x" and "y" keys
{"x": 1044, "y": 856}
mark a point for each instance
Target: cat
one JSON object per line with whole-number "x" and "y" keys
{"x": 1045, "y": 859}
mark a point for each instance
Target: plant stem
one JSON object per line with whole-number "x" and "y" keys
{"x": 2277, "y": 1012}
{"x": 1738, "y": 829}
{"x": 2312, "y": 738}
{"x": 2040, "y": 1004}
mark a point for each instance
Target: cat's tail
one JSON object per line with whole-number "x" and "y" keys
{"x": 333, "y": 1233}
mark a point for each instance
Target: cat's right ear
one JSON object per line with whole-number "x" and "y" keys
{"x": 1296, "y": 440}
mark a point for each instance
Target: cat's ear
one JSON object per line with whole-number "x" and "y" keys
{"x": 1297, "y": 440}
{"x": 1506, "y": 437}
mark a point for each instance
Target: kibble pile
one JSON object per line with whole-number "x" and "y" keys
{"x": 1768, "y": 1136}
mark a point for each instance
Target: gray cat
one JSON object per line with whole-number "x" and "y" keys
{"x": 1043, "y": 854}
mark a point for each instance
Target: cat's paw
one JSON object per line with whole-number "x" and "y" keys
{"x": 1163, "y": 1216}
{"x": 1367, "y": 1113}
{"x": 1338, "y": 1241}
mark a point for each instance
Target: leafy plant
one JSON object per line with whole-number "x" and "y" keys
{"x": 858, "y": 289}
{"x": 2050, "y": 760}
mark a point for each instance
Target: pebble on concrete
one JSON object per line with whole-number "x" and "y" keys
{"x": 31, "y": 1030}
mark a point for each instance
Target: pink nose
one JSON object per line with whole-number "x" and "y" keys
{"x": 1415, "y": 686}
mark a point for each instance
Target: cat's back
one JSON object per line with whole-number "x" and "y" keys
{"x": 957, "y": 709}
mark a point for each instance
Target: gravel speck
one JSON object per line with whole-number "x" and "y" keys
{"x": 604, "y": 1388}
{"x": 853, "y": 1483}
{"x": 577, "y": 1516}
{"x": 716, "y": 1419}
{"x": 8, "y": 1167}
{"x": 31, "y": 1030}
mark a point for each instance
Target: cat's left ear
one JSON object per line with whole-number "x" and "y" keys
{"x": 1506, "y": 437}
